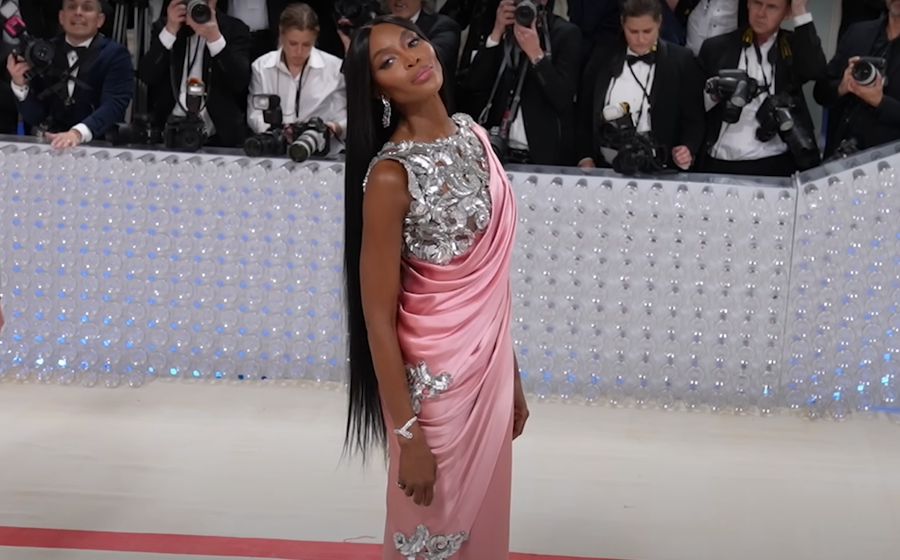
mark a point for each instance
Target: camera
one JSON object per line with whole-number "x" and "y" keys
{"x": 310, "y": 139}
{"x": 272, "y": 142}
{"x": 357, "y": 12}
{"x": 140, "y": 132}
{"x": 37, "y": 53}
{"x": 635, "y": 152}
{"x": 199, "y": 11}
{"x": 188, "y": 133}
{"x": 775, "y": 116}
{"x": 867, "y": 69}
{"x": 526, "y": 12}
{"x": 736, "y": 89}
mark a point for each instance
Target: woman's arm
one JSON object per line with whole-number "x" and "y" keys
{"x": 384, "y": 208}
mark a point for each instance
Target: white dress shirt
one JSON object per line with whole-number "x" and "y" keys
{"x": 630, "y": 88}
{"x": 711, "y": 18}
{"x": 737, "y": 142}
{"x": 254, "y": 13}
{"x": 321, "y": 88}
{"x": 195, "y": 44}
{"x": 21, "y": 92}
{"x": 518, "y": 140}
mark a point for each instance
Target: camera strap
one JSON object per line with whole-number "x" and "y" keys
{"x": 510, "y": 115}
{"x": 507, "y": 56}
{"x": 766, "y": 84}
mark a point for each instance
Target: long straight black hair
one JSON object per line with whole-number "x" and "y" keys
{"x": 366, "y": 135}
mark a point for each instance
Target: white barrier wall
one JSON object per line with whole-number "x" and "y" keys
{"x": 126, "y": 267}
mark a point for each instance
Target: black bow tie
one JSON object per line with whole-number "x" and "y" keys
{"x": 649, "y": 58}
{"x": 79, "y": 51}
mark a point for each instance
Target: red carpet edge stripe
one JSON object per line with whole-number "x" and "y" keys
{"x": 29, "y": 537}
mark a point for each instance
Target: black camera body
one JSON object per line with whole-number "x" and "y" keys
{"x": 311, "y": 138}
{"x": 776, "y": 116}
{"x": 867, "y": 69}
{"x": 499, "y": 144}
{"x": 185, "y": 134}
{"x": 37, "y": 53}
{"x": 735, "y": 88}
{"x": 635, "y": 152}
{"x": 274, "y": 141}
{"x": 357, "y": 12}
{"x": 141, "y": 132}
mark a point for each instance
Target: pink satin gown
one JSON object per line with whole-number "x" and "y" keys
{"x": 454, "y": 331}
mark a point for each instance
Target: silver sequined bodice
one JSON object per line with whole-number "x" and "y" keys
{"x": 448, "y": 181}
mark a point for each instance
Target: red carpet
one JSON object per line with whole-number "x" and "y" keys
{"x": 201, "y": 545}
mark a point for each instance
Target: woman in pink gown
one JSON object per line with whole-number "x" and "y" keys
{"x": 430, "y": 227}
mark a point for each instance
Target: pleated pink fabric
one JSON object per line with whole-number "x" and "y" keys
{"x": 456, "y": 318}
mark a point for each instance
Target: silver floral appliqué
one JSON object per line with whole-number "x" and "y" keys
{"x": 422, "y": 544}
{"x": 423, "y": 385}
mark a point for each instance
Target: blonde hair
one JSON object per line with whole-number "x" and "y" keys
{"x": 299, "y": 16}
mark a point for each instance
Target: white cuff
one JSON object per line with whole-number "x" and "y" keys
{"x": 86, "y": 134}
{"x": 216, "y": 46}
{"x": 709, "y": 102}
{"x": 490, "y": 43}
{"x": 21, "y": 92}
{"x": 167, "y": 39}
{"x": 803, "y": 19}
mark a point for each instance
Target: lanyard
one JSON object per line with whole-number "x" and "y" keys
{"x": 303, "y": 76}
{"x": 767, "y": 85}
{"x": 191, "y": 59}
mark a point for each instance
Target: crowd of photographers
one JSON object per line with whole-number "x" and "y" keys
{"x": 634, "y": 85}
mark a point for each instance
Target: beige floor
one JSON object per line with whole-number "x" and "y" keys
{"x": 617, "y": 483}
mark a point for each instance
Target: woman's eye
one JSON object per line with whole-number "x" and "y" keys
{"x": 414, "y": 42}
{"x": 387, "y": 63}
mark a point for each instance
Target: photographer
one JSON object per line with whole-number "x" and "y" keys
{"x": 85, "y": 89}
{"x": 659, "y": 82}
{"x": 757, "y": 119}
{"x": 703, "y": 19}
{"x": 216, "y": 53}
{"x": 535, "y": 68}
{"x": 864, "y": 94}
{"x": 308, "y": 81}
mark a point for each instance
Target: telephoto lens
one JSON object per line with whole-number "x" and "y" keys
{"x": 199, "y": 11}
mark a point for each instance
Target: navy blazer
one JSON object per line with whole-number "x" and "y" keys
{"x": 103, "y": 90}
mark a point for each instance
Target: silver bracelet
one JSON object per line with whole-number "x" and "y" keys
{"x": 404, "y": 431}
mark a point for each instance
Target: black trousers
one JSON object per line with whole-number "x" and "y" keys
{"x": 777, "y": 166}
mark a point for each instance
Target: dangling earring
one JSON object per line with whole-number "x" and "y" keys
{"x": 386, "y": 116}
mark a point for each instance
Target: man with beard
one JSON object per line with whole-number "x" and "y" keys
{"x": 865, "y": 113}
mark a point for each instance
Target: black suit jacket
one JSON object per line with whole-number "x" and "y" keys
{"x": 548, "y": 95}
{"x": 101, "y": 95}
{"x": 443, "y": 32}
{"x": 676, "y": 100}
{"x": 855, "y": 11}
{"x": 850, "y": 116}
{"x": 227, "y": 77}
{"x": 805, "y": 62}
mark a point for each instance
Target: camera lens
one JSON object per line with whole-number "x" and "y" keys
{"x": 301, "y": 149}
{"x": 864, "y": 73}
{"x": 253, "y": 146}
{"x": 525, "y": 13}
{"x": 199, "y": 11}
{"x": 41, "y": 53}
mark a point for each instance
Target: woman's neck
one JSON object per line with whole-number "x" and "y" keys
{"x": 295, "y": 69}
{"x": 425, "y": 121}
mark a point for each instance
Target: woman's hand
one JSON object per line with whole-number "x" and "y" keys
{"x": 682, "y": 157}
{"x": 520, "y": 407}
{"x": 418, "y": 471}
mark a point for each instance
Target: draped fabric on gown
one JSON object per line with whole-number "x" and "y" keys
{"x": 454, "y": 319}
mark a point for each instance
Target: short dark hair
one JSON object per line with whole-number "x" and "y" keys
{"x": 641, "y": 8}
{"x": 103, "y": 5}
